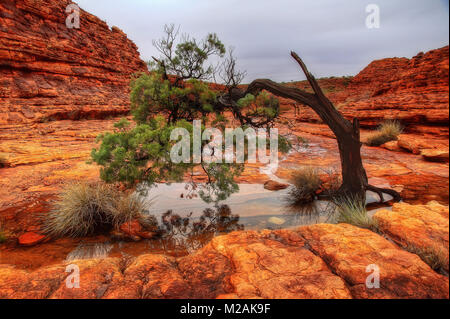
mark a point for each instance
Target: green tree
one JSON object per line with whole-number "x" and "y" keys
{"x": 175, "y": 92}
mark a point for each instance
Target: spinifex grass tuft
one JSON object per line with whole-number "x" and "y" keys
{"x": 305, "y": 181}
{"x": 87, "y": 209}
{"x": 388, "y": 131}
{"x": 435, "y": 256}
{"x": 353, "y": 211}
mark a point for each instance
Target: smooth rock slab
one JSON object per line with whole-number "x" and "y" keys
{"x": 348, "y": 252}
{"x": 420, "y": 226}
{"x": 318, "y": 261}
{"x": 434, "y": 155}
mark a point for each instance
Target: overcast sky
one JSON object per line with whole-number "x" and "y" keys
{"x": 330, "y": 35}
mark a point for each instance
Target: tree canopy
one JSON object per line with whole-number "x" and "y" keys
{"x": 177, "y": 90}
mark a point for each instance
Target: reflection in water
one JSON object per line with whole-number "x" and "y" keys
{"x": 187, "y": 224}
{"x": 90, "y": 251}
{"x": 186, "y": 234}
{"x": 311, "y": 212}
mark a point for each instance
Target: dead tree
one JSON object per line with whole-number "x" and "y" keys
{"x": 354, "y": 178}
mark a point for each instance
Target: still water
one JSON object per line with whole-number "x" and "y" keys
{"x": 256, "y": 207}
{"x": 192, "y": 223}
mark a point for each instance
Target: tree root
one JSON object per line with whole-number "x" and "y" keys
{"x": 380, "y": 191}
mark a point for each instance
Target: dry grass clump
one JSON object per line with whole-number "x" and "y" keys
{"x": 435, "y": 256}
{"x": 3, "y": 236}
{"x": 388, "y": 131}
{"x": 306, "y": 182}
{"x": 86, "y": 209}
{"x": 353, "y": 212}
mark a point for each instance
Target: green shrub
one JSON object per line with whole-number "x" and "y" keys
{"x": 87, "y": 209}
{"x": 303, "y": 141}
{"x": 305, "y": 182}
{"x": 388, "y": 131}
{"x": 171, "y": 96}
{"x": 353, "y": 212}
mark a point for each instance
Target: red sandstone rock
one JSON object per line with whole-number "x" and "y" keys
{"x": 435, "y": 155}
{"x": 131, "y": 228}
{"x": 50, "y": 71}
{"x": 414, "y": 91}
{"x": 318, "y": 261}
{"x": 392, "y": 146}
{"x": 30, "y": 239}
{"x": 417, "y": 226}
{"x": 349, "y": 251}
{"x": 275, "y": 186}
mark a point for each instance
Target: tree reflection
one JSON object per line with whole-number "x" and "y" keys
{"x": 311, "y": 213}
{"x": 183, "y": 235}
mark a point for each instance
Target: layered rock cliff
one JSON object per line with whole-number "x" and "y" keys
{"x": 414, "y": 91}
{"x": 49, "y": 71}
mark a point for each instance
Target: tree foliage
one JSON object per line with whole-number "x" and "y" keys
{"x": 171, "y": 95}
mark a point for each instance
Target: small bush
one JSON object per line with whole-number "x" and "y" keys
{"x": 3, "y": 236}
{"x": 303, "y": 141}
{"x": 353, "y": 212}
{"x": 87, "y": 209}
{"x": 306, "y": 182}
{"x": 388, "y": 131}
{"x": 435, "y": 256}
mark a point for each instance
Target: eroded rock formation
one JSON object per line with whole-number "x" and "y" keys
{"x": 318, "y": 261}
{"x": 413, "y": 91}
{"x": 418, "y": 227}
{"x": 48, "y": 71}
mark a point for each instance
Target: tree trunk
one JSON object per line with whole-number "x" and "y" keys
{"x": 354, "y": 177}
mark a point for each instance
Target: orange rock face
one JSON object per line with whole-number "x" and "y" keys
{"x": 275, "y": 186}
{"x": 349, "y": 255}
{"x": 413, "y": 91}
{"x": 417, "y": 226}
{"x": 319, "y": 261}
{"x": 30, "y": 239}
{"x": 52, "y": 78}
{"x": 49, "y": 71}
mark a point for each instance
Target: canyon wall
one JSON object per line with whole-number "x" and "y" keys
{"x": 414, "y": 91}
{"x": 51, "y": 72}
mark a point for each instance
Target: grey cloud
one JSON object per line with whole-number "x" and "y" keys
{"x": 330, "y": 35}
